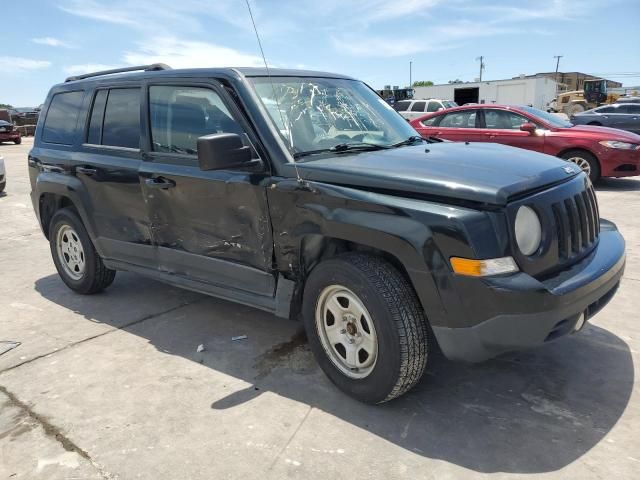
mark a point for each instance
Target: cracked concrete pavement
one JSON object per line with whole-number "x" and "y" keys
{"x": 111, "y": 386}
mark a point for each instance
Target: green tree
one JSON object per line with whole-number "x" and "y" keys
{"x": 5, "y": 105}
{"x": 423, "y": 83}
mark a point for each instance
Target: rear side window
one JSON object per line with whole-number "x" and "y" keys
{"x": 121, "y": 126}
{"x": 433, "y": 107}
{"x": 401, "y": 106}
{"x": 606, "y": 110}
{"x": 464, "y": 119}
{"x": 62, "y": 116}
{"x": 418, "y": 106}
{"x": 94, "y": 135}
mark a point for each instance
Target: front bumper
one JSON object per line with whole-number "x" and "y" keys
{"x": 517, "y": 311}
{"x": 619, "y": 163}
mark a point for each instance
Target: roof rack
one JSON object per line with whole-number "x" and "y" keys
{"x": 146, "y": 68}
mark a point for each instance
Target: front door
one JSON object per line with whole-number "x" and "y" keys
{"x": 503, "y": 126}
{"x": 210, "y": 226}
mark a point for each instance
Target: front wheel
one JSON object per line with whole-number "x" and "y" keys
{"x": 587, "y": 162}
{"x": 365, "y": 326}
{"x": 74, "y": 255}
{"x": 18, "y": 141}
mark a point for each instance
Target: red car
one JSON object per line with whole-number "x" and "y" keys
{"x": 599, "y": 151}
{"x": 8, "y": 133}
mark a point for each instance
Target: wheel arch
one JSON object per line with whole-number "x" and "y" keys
{"x": 54, "y": 191}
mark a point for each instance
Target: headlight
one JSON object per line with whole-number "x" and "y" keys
{"x": 619, "y": 145}
{"x": 528, "y": 230}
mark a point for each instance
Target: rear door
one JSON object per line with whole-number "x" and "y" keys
{"x": 107, "y": 163}
{"x": 630, "y": 117}
{"x": 210, "y": 226}
{"x": 458, "y": 126}
{"x": 503, "y": 126}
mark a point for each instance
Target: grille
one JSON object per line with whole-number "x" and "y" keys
{"x": 577, "y": 223}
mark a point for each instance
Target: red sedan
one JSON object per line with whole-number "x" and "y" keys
{"x": 599, "y": 151}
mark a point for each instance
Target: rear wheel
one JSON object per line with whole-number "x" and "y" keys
{"x": 586, "y": 161}
{"x": 18, "y": 141}
{"x": 576, "y": 108}
{"x": 74, "y": 255}
{"x": 365, "y": 326}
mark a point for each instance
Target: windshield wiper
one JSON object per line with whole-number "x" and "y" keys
{"x": 409, "y": 141}
{"x": 343, "y": 147}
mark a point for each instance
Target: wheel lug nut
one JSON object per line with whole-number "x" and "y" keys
{"x": 343, "y": 331}
{"x": 351, "y": 340}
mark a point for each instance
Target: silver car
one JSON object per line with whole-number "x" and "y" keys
{"x": 625, "y": 116}
{"x": 3, "y": 175}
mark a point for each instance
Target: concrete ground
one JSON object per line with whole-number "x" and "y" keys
{"x": 111, "y": 385}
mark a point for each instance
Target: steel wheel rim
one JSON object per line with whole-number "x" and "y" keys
{"x": 346, "y": 331}
{"x": 70, "y": 252}
{"x": 582, "y": 163}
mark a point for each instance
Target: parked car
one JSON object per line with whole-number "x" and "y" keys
{"x": 599, "y": 151}
{"x": 3, "y": 175}
{"x": 411, "y": 109}
{"x": 8, "y": 133}
{"x": 327, "y": 207}
{"x": 625, "y": 116}
{"x": 628, "y": 100}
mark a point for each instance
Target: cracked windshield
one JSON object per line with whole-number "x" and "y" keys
{"x": 325, "y": 115}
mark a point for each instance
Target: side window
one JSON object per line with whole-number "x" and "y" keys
{"x": 121, "y": 126}
{"x": 429, "y": 122}
{"x": 606, "y": 110}
{"x": 180, "y": 115}
{"x": 503, "y": 120}
{"x": 62, "y": 116}
{"x": 633, "y": 109}
{"x": 94, "y": 134}
{"x": 465, "y": 119}
{"x": 418, "y": 106}
{"x": 433, "y": 107}
{"x": 401, "y": 106}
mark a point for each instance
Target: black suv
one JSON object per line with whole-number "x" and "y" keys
{"x": 304, "y": 194}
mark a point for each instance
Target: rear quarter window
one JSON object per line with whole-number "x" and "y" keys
{"x": 401, "y": 106}
{"x": 62, "y": 117}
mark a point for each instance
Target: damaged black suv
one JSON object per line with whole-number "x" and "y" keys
{"x": 304, "y": 194}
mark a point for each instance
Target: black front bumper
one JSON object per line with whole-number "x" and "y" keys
{"x": 518, "y": 311}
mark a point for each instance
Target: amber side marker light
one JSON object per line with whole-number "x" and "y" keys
{"x": 483, "y": 268}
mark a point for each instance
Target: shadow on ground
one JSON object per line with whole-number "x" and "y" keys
{"x": 618, "y": 185}
{"x": 530, "y": 412}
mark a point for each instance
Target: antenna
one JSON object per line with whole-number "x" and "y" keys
{"x": 275, "y": 95}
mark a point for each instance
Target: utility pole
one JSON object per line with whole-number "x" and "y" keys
{"x": 410, "y": 79}
{"x": 557, "y": 57}
{"x": 481, "y": 58}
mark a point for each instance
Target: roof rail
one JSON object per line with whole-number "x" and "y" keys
{"x": 146, "y": 68}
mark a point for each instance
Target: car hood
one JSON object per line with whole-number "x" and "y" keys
{"x": 478, "y": 172}
{"x": 605, "y": 133}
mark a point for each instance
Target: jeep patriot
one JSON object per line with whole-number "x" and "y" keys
{"x": 304, "y": 194}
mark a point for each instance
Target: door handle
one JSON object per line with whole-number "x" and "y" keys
{"x": 86, "y": 170}
{"x": 160, "y": 182}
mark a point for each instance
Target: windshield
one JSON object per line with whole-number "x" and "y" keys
{"x": 325, "y": 115}
{"x": 550, "y": 118}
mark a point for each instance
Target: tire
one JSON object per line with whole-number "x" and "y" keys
{"x": 18, "y": 141}
{"x": 576, "y": 108}
{"x": 397, "y": 322}
{"x": 2, "y": 186}
{"x": 579, "y": 157}
{"x": 92, "y": 276}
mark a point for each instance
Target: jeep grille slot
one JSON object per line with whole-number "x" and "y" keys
{"x": 577, "y": 223}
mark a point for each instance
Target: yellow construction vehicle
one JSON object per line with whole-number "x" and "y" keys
{"x": 593, "y": 95}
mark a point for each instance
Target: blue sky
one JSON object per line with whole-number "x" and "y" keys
{"x": 374, "y": 40}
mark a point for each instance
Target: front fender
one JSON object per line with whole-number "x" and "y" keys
{"x": 412, "y": 231}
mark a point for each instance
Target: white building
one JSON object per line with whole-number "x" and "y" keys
{"x": 536, "y": 92}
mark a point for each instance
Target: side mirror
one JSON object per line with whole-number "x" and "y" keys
{"x": 528, "y": 127}
{"x": 220, "y": 151}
